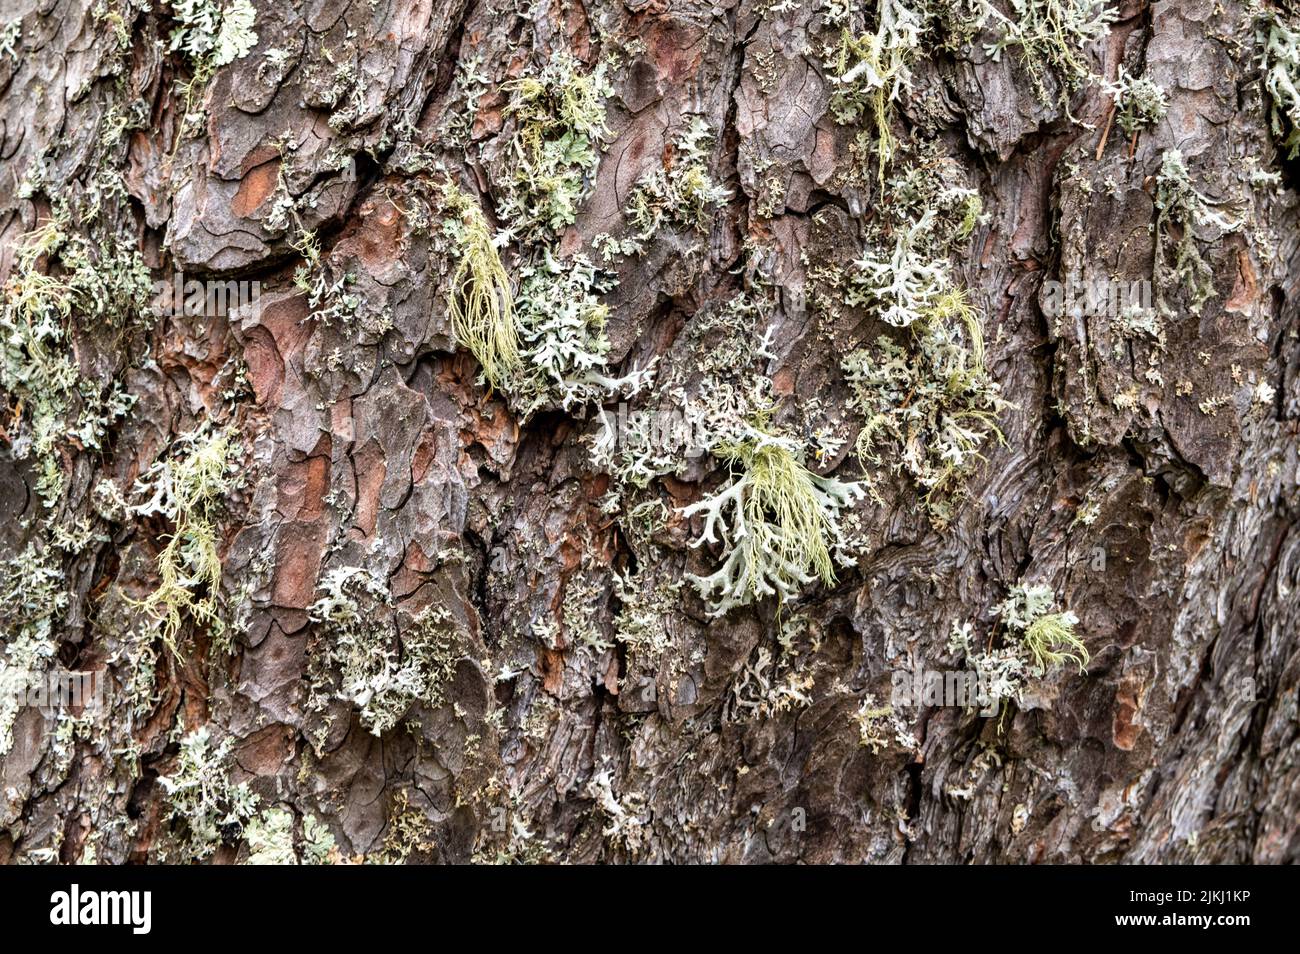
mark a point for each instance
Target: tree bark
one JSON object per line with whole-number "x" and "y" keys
{"x": 1152, "y": 489}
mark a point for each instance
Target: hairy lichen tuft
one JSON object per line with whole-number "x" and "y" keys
{"x": 189, "y": 488}
{"x": 480, "y": 299}
{"x": 1048, "y": 636}
{"x": 777, "y": 521}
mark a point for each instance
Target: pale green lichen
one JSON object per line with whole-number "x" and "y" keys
{"x": 627, "y": 817}
{"x": 905, "y": 271}
{"x": 778, "y": 523}
{"x": 383, "y": 669}
{"x": 270, "y": 837}
{"x": 544, "y": 345}
{"x": 563, "y": 346}
{"x": 647, "y": 602}
{"x": 680, "y": 194}
{"x": 11, "y": 35}
{"x": 318, "y": 845}
{"x": 728, "y": 344}
{"x": 408, "y": 833}
{"x": 880, "y": 726}
{"x": 1036, "y": 638}
{"x": 869, "y": 72}
{"x": 1049, "y": 636}
{"x": 1052, "y": 34}
{"x": 136, "y": 663}
{"x": 1001, "y": 672}
{"x": 1179, "y": 204}
{"x": 1139, "y": 101}
{"x": 189, "y": 488}
{"x": 33, "y": 595}
{"x": 480, "y": 299}
{"x": 928, "y": 408}
{"x": 928, "y": 402}
{"x": 213, "y": 34}
{"x": 584, "y": 593}
{"x": 57, "y": 406}
{"x": 560, "y": 121}
{"x": 1280, "y": 61}
{"x": 201, "y": 799}
{"x": 905, "y": 285}
{"x": 768, "y": 686}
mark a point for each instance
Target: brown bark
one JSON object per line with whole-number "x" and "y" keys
{"x": 370, "y": 443}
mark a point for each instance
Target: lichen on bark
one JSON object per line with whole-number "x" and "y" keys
{"x": 396, "y": 558}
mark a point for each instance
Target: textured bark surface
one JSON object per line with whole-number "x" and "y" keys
{"x": 367, "y": 441}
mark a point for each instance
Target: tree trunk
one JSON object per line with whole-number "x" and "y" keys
{"x": 447, "y": 622}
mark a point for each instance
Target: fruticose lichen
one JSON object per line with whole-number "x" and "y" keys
{"x": 212, "y": 33}
{"x": 33, "y": 594}
{"x": 925, "y": 394}
{"x": 270, "y": 837}
{"x": 1139, "y": 101}
{"x": 563, "y": 346}
{"x": 1280, "y": 61}
{"x": 880, "y": 727}
{"x": 680, "y": 194}
{"x": 201, "y": 797}
{"x": 383, "y": 668}
{"x": 1048, "y": 636}
{"x": 408, "y": 833}
{"x": 1052, "y": 33}
{"x": 627, "y": 819}
{"x": 189, "y": 488}
{"x": 1036, "y": 638}
{"x": 480, "y": 299}
{"x": 869, "y": 72}
{"x": 775, "y": 682}
{"x": 930, "y": 407}
{"x": 1180, "y": 204}
{"x": 542, "y": 343}
{"x": 58, "y": 273}
{"x": 560, "y": 116}
{"x": 777, "y": 522}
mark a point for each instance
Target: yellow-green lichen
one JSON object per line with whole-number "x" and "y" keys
{"x": 189, "y": 488}
{"x": 777, "y": 522}
{"x": 560, "y": 120}
{"x": 480, "y": 299}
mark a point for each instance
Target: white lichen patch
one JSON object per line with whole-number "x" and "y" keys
{"x": 201, "y": 798}
{"x": 361, "y": 655}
